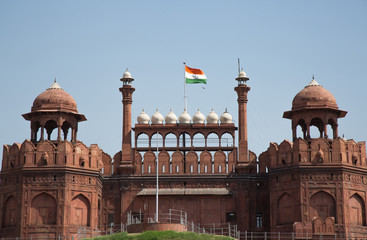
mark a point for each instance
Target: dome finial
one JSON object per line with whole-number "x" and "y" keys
{"x": 126, "y": 78}
{"x": 313, "y": 82}
{"x": 55, "y": 85}
{"x": 242, "y": 77}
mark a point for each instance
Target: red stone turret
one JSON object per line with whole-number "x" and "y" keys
{"x": 314, "y": 106}
{"x": 54, "y": 108}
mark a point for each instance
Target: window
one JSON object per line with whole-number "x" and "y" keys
{"x": 259, "y": 220}
{"x": 230, "y": 216}
{"x": 111, "y": 218}
{"x": 191, "y": 169}
{"x": 148, "y": 169}
{"x": 163, "y": 168}
{"x": 177, "y": 169}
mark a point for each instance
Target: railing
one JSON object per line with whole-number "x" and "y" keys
{"x": 180, "y": 217}
{"x": 173, "y": 216}
{"x": 300, "y": 236}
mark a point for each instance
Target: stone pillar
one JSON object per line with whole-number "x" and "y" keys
{"x": 325, "y": 131}
{"x": 242, "y": 90}
{"x": 59, "y": 132}
{"x": 126, "y": 158}
{"x": 335, "y": 131}
{"x": 42, "y": 133}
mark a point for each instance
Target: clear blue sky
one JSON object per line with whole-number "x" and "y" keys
{"x": 87, "y": 45}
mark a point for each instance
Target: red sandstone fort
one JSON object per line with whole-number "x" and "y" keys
{"x": 315, "y": 185}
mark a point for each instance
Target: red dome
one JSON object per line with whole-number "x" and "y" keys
{"x": 54, "y": 98}
{"x": 314, "y": 96}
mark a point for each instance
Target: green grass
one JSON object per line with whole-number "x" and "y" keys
{"x": 166, "y": 235}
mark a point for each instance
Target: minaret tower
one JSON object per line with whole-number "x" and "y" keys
{"x": 242, "y": 90}
{"x": 126, "y": 165}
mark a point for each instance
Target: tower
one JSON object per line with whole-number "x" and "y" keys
{"x": 54, "y": 109}
{"x": 242, "y": 89}
{"x": 51, "y": 187}
{"x": 126, "y": 165}
{"x": 314, "y": 106}
{"x": 316, "y": 183}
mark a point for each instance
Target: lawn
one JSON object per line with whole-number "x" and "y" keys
{"x": 166, "y": 235}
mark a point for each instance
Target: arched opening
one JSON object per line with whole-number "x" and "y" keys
{"x": 226, "y": 140}
{"x": 316, "y": 128}
{"x": 212, "y": 140}
{"x": 80, "y": 211}
{"x": 301, "y": 129}
{"x": 286, "y": 211}
{"x": 322, "y": 205}
{"x": 35, "y": 128}
{"x": 10, "y": 212}
{"x": 43, "y": 210}
{"x": 156, "y": 140}
{"x": 142, "y": 140}
{"x": 357, "y": 211}
{"x": 50, "y": 126}
{"x": 170, "y": 140}
{"x": 184, "y": 140}
{"x": 198, "y": 140}
{"x": 65, "y": 129}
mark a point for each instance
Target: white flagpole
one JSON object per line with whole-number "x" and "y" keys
{"x": 185, "y": 86}
{"x": 156, "y": 198}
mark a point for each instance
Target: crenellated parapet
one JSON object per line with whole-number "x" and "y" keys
{"x": 47, "y": 154}
{"x": 319, "y": 151}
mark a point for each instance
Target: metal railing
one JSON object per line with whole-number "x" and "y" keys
{"x": 301, "y": 236}
{"x": 180, "y": 217}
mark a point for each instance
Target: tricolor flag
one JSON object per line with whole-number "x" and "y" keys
{"x": 194, "y": 75}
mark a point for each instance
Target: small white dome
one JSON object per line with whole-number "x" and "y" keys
{"x": 184, "y": 118}
{"x": 143, "y": 118}
{"x": 157, "y": 118}
{"x": 171, "y": 118}
{"x": 226, "y": 118}
{"x": 212, "y": 118}
{"x": 242, "y": 74}
{"x": 198, "y": 118}
{"x": 126, "y": 74}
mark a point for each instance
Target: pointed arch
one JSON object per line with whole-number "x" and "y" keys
{"x": 220, "y": 162}
{"x": 286, "y": 209}
{"x": 191, "y": 163}
{"x": 205, "y": 162}
{"x": 10, "y": 212}
{"x": 80, "y": 211}
{"x": 177, "y": 163}
{"x": 43, "y": 210}
{"x": 322, "y": 204}
{"x": 149, "y": 162}
{"x": 357, "y": 212}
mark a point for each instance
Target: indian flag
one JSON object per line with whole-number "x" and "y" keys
{"x": 194, "y": 75}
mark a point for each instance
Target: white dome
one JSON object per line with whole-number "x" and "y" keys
{"x": 242, "y": 74}
{"x": 226, "y": 118}
{"x": 198, "y": 117}
{"x": 126, "y": 74}
{"x": 157, "y": 118}
{"x": 184, "y": 118}
{"x": 171, "y": 118}
{"x": 212, "y": 118}
{"x": 143, "y": 118}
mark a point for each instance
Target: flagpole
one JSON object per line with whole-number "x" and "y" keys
{"x": 185, "y": 97}
{"x": 156, "y": 169}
